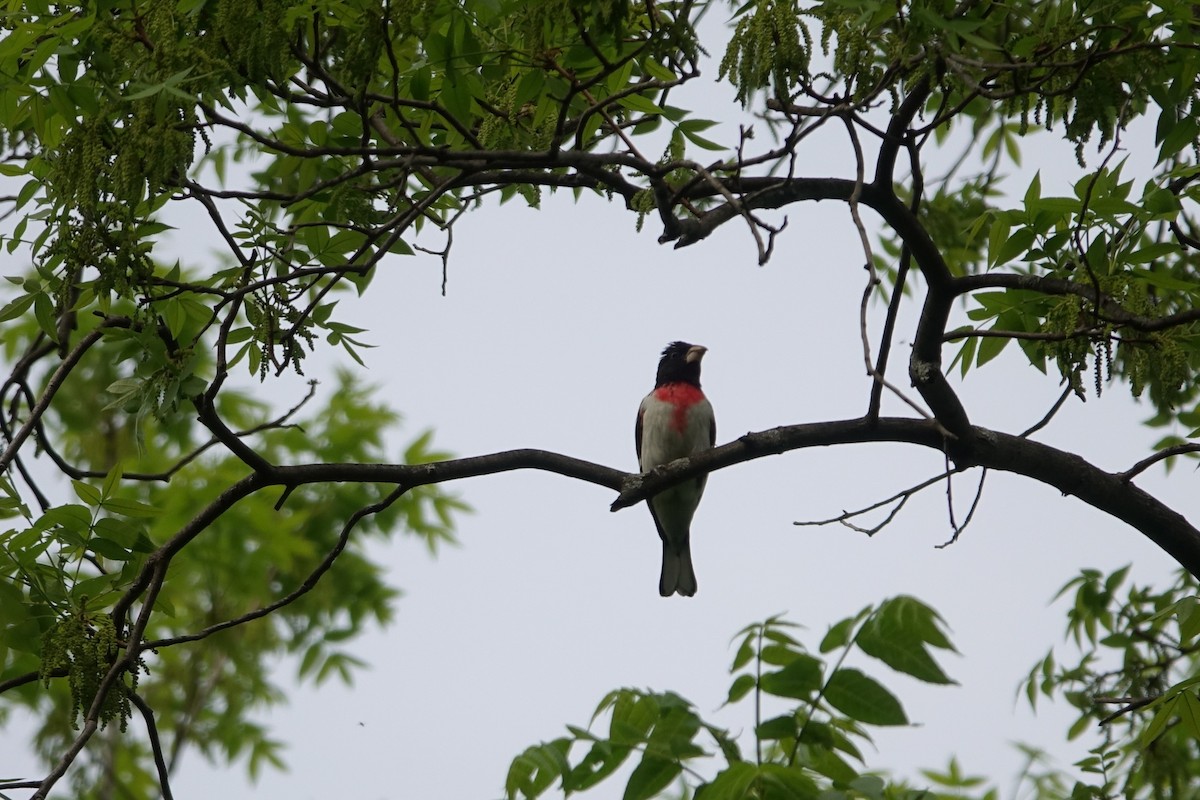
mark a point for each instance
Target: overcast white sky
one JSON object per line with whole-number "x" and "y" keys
{"x": 549, "y": 337}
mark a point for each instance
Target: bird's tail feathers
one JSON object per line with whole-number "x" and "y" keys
{"x": 677, "y": 577}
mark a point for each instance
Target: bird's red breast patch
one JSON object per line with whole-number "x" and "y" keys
{"x": 681, "y": 396}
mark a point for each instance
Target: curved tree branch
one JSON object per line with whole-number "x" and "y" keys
{"x": 1112, "y": 493}
{"x": 55, "y": 383}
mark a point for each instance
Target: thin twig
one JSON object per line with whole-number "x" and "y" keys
{"x": 1149, "y": 461}
{"x": 873, "y": 277}
{"x": 958, "y": 529}
{"x": 304, "y": 588}
{"x": 160, "y": 764}
{"x": 1044, "y": 421}
{"x": 901, "y": 497}
{"x": 1131, "y": 704}
{"x": 54, "y": 384}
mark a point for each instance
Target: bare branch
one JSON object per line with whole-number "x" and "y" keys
{"x": 1044, "y": 421}
{"x": 1128, "y": 704}
{"x": 27, "y": 678}
{"x": 304, "y": 588}
{"x": 65, "y": 761}
{"x": 958, "y": 334}
{"x": 5, "y": 785}
{"x": 958, "y": 529}
{"x": 160, "y": 764}
{"x": 54, "y": 384}
{"x": 899, "y": 498}
{"x": 872, "y": 282}
{"x": 1161, "y": 455}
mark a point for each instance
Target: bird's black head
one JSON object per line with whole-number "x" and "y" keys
{"x": 680, "y": 363}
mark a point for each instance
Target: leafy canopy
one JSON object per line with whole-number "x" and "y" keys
{"x": 313, "y": 140}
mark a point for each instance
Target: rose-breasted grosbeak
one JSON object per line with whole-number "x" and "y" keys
{"x": 675, "y": 420}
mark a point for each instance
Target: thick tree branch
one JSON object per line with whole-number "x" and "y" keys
{"x": 925, "y": 364}
{"x": 1067, "y": 472}
{"x": 897, "y": 132}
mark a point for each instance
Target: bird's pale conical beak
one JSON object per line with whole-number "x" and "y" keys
{"x": 695, "y": 353}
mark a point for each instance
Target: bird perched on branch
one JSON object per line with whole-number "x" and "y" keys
{"x": 674, "y": 421}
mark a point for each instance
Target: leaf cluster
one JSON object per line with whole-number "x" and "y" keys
{"x": 1132, "y": 675}
{"x": 65, "y": 573}
{"x": 811, "y": 749}
{"x": 84, "y": 647}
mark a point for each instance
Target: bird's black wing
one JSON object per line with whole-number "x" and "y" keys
{"x": 637, "y": 437}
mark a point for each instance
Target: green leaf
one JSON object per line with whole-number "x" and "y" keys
{"x": 1034, "y": 192}
{"x": 779, "y": 655}
{"x": 533, "y": 772}
{"x": 657, "y": 70}
{"x": 633, "y": 716}
{"x": 900, "y": 633}
{"x": 966, "y": 354}
{"x": 129, "y": 508}
{"x": 108, "y": 549}
{"x": 86, "y": 492}
{"x": 990, "y": 346}
{"x": 1162, "y": 202}
{"x": 701, "y": 142}
{"x": 125, "y": 534}
{"x": 602, "y": 760}
{"x": 529, "y": 88}
{"x": 650, "y": 777}
{"x": 112, "y": 480}
{"x": 1165, "y": 713}
{"x": 1059, "y": 208}
{"x": 838, "y": 635}
{"x": 863, "y": 698}
{"x": 798, "y": 680}
{"x": 94, "y": 589}
{"x": 777, "y": 728}
{"x": 1017, "y": 244}
{"x": 997, "y": 236}
{"x": 1166, "y": 281}
{"x": 17, "y": 307}
{"x": 127, "y": 390}
{"x": 832, "y": 766}
{"x": 731, "y": 783}
{"x": 44, "y": 313}
{"x": 779, "y": 782}
{"x": 745, "y": 652}
{"x": 871, "y": 786}
{"x": 1189, "y": 714}
{"x": 1179, "y": 135}
{"x": 27, "y": 192}
{"x": 635, "y": 102}
{"x": 309, "y": 660}
{"x": 740, "y": 688}
{"x": 1153, "y": 252}
{"x": 1189, "y": 623}
{"x": 74, "y": 518}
